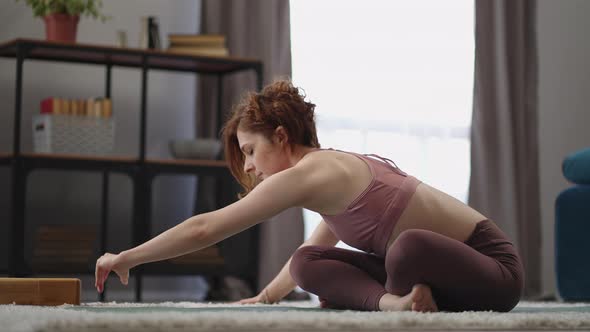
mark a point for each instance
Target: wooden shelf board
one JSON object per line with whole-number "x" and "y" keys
{"x": 167, "y": 268}
{"x": 125, "y": 57}
{"x": 120, "y": 163}
{"x": 56, "y": 156}
{"x": 5, "y": 158}
{"x": 60, "y": 268}
{"x": 188, "y": 162}
{"x": 158, "y": 268}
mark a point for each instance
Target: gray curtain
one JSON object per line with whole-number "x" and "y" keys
{"x": 504, "y": 181}
{"x": 257, "y": 29}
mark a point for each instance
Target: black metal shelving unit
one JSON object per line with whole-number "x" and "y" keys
{"x": 140, "y": 169}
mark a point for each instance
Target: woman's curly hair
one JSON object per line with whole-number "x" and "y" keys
{"x": 278, "y": 104}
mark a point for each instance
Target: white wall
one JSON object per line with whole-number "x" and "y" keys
{"x": 564, "y": 105}
{"x": 74, "y": 196}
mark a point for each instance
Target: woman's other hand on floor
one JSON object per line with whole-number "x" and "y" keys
{"x": 250, "y": 300}
{"x": 260, "y": 298}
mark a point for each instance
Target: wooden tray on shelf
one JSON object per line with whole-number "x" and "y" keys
{"x": 63, "y": 248}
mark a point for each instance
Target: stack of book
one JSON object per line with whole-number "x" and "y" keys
{"x": 98, "y": 107}
{"x": 200, "y": 44}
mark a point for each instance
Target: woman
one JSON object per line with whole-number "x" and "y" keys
{"x": 423, "y": 250}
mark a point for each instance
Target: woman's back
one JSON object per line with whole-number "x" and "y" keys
{"x": 428, "y": 208}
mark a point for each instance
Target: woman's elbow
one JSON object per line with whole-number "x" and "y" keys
{"x": 198, "y": 229}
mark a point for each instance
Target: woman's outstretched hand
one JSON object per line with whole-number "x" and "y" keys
{"x": 107, "y": 263}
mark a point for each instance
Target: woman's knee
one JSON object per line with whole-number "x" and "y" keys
{"x": 300, "y": 261}
{"x": 409, "y": 249}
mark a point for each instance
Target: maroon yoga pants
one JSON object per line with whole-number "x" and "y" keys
{"x": 482, "y": 273}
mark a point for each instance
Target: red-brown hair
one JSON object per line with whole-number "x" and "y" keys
{"x": 278, "y": 104}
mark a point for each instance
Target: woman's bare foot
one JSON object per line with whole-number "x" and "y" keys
{"x": 422, "y": 299}
{"x": 419, "y": 299}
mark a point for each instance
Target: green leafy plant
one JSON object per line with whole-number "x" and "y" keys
{"x": 88, "y": 8}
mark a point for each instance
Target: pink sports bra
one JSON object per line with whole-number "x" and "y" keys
{"x": 368, "y": 221}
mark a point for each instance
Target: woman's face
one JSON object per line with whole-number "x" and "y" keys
{"x": 262, "y": 157}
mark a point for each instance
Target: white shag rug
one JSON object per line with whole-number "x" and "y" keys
{"x": 287, "y": 316}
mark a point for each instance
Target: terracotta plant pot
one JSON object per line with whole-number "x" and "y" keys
{"x": 61, "y": 27}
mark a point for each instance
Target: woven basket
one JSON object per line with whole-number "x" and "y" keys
{"x": 73, "y": 134}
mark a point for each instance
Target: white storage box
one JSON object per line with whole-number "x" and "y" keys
{"x": 73, "y": 134}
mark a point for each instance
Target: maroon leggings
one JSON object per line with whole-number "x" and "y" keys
{"x": 483, "y": 273}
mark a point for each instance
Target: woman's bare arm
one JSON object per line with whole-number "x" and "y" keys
{"x": 291, "y": 187}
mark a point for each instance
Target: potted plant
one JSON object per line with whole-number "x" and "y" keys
{"x": 61, "y": 16}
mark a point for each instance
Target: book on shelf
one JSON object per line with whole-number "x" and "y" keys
{"x": 206, "y": 51}
{"x": 153, "y": 33}
{"x": 97, "y": 107}
{"x": 210, "y": 40}
{"x": 149, "y": 36}
{"x": 198, "y": 44}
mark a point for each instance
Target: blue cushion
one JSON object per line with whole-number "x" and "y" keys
{"x": 576, "y": 167}
{"x": 572, "y": 227}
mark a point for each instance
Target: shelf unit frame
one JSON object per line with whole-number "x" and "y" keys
{"x": 140, "y": 169}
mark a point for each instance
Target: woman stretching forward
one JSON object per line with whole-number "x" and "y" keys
{"x": 422, "y": 249}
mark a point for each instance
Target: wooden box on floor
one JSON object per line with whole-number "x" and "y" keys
{"x": 40, "y": 291}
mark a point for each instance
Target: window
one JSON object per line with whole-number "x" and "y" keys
{"x": 393, "y": 78}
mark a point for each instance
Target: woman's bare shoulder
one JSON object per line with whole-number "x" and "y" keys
{"x": 323, "y": 156}
{"x": 321, "y": 161}
{"x": 322, "y": 168}
{"x": 335, "y": 163}
{"x": 336, "y": 177}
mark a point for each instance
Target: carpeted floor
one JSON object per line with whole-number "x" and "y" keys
{"x": 288, "y": 316}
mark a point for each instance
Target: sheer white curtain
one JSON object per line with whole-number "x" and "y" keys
{"x": 393, "y": 78}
